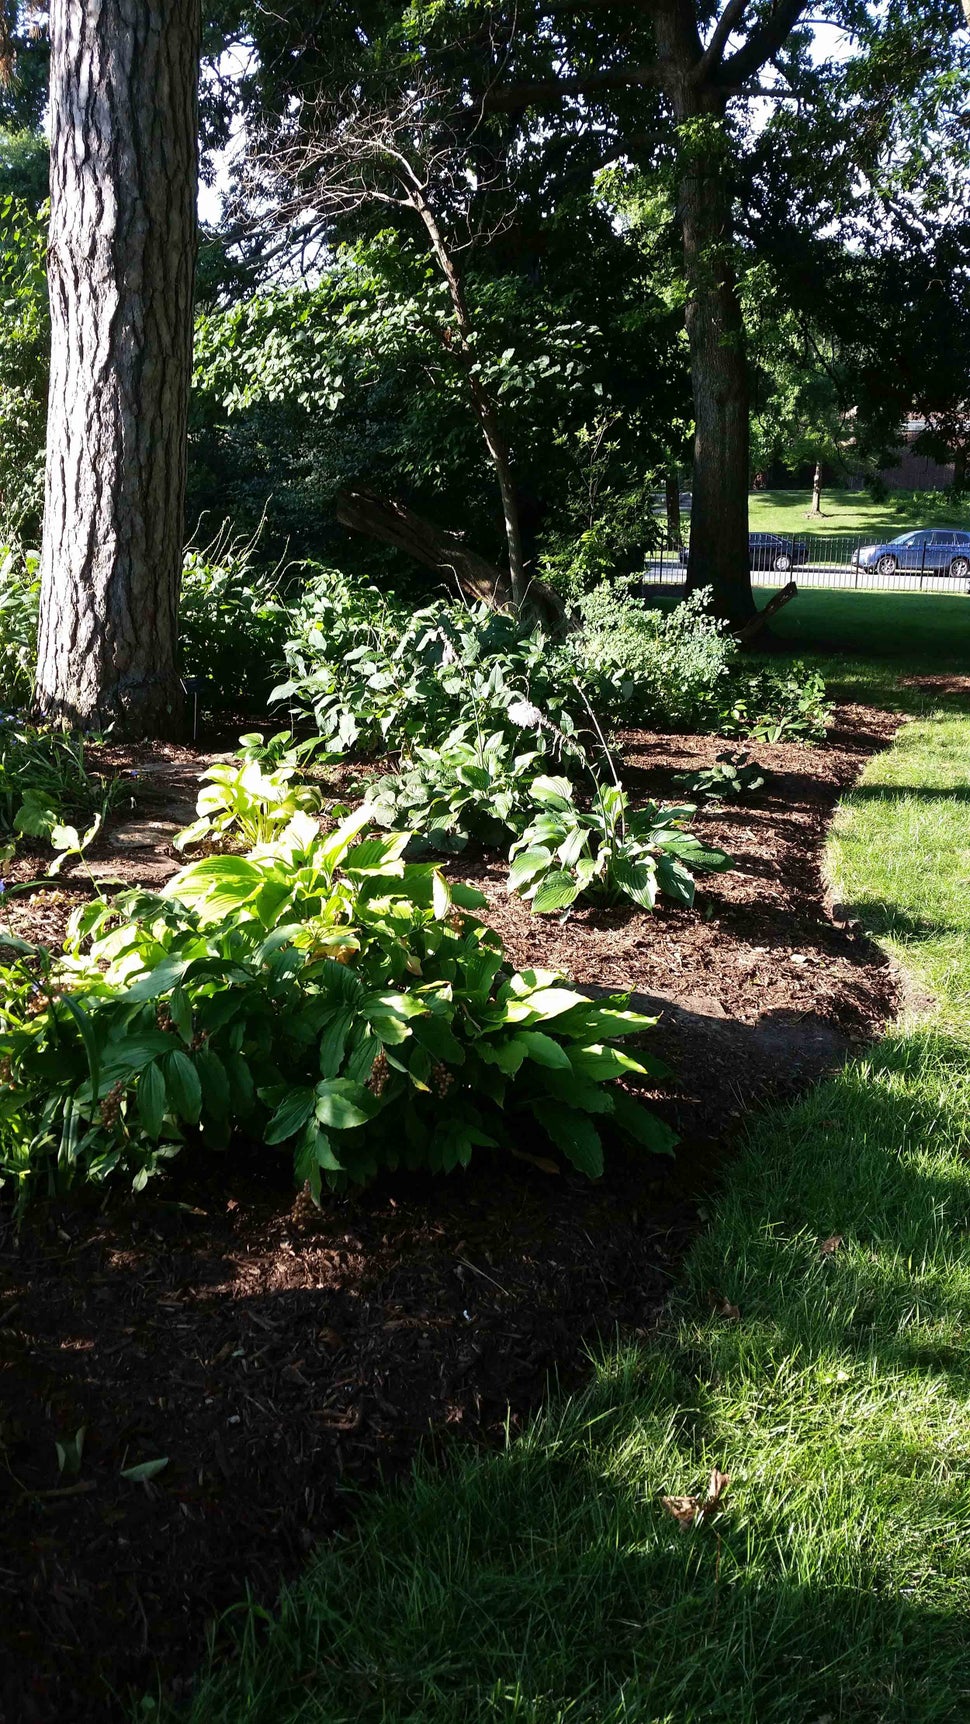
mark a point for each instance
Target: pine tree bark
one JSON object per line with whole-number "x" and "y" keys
{"x": 124, "y": 82}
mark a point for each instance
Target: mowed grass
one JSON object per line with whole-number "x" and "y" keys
{"x": 866, "y": 642}
{"x": 548, "y": 1583}
{"x": 855, "y": 512}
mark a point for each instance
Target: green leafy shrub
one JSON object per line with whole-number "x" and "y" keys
{"x": 776, "y": 703}
{"x": 607, "y": 852}
{"x": 472, "y": 787}
{"x": 19, "y": 606}
{"x": 232, "y": 621}
{"x": 374, "y": 677}
{"x": 319, "y": 994}
{"x": 242, "y": 801}
{"x": 734, "y": 775}
{"x": 46, "y": 780}
{"x": 647, "y": 666}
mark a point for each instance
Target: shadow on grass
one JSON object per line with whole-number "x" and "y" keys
{"x": 549, "y": 1583}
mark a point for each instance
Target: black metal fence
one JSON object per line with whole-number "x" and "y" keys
{"x": 850, "y": 561}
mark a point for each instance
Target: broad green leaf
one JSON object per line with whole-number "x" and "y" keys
{"x": 337, "y": 844}
{"x": 184, "y": 1088}
{"x": 152, "y": 1099}
{"x": 376, "y": 853}
{"x": 675, "y": 880}
{"x": 643, "y": 1126}
{"x": 441, "y": 896}
{"x": 555, "y": 792}
{"x": 222, "y": 883}
{"x": 181, "y": 1013}
{"x": 601, "y": 1063}
{"x": 638, "y": 879}
{"x": 574, "y": 1134}
{"x": 556, "y": 891}
{"x": 337, "y": 1104}
{"x": 214, "y": 1078}
{"x": 548, "y": 1002}
{"x": 526, "y": 865}
{"x": 696, "y": 854}
{"x": 544, "y": 1050}
{"x": 333, "y": 1040}
{"x": 291, "y": 1116}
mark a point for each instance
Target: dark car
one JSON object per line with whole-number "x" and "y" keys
{"x": 937, "y": 551}
{"x": 770, "y": 551}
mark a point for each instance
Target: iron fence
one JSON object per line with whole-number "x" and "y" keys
{"x": 832, "y": 560}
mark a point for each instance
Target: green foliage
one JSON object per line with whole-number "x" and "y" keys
{"x": 19, "y": 604}
{"x": 232, "y": 621}
{"x": 607, "y": 852}
{"x": 242, "y": 801}
{"x": 733, "y": 776}
{"x": 46, "y": 781}
{"x": 619, "y": 529}
{"x": 648, "y": 666}
{"x": 472, "y": 787}
{"x": 776, "y": 703}
{"x": 319, "y": 994}
{"x": 24, "y": 365}
{"x": 374, "y": 676}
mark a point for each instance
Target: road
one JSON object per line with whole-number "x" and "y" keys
{"x": 843, "y": 577}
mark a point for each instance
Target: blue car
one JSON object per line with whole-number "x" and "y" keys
{"x": 942, "y": 551}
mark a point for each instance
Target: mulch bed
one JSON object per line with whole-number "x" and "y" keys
{"x": 277, "y": 1356}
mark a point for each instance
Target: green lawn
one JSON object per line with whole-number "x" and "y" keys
{"x": 548, "y": 1583}
{"x": 855, "y": 512}
{"x": 931, "y": 628}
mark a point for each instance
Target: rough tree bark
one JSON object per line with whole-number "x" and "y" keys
{"x": 124, "y": 81}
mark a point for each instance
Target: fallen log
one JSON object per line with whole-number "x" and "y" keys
{"x": 393, "y": 523}
{"x": 751, "y": 630}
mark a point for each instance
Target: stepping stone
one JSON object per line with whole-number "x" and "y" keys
{"x": 145, "y": 834}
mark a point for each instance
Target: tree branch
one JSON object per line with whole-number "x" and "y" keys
{"x": 762, "y": 43}
{"x": 714, "y": 52}
{"x": 506, "y": 98}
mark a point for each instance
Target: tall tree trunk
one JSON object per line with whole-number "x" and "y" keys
{"x": 719, "y": 556}
{"x": 816, "y": 508}
{"x": 124, "y": 81}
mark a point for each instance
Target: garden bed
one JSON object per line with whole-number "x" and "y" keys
{"x": 277, "y": 1356}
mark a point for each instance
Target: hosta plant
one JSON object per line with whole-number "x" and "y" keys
{"x": 319, "y": 994}
{"x": 471, "y": 787}
{"x": 606, "y": 852}
{"x": 241, "y": 801}
{"x": 734, "y": 775}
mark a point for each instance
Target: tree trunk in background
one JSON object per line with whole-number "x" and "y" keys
{"x": 124, "y": 81}
{"x": 719, "y": 556}
{"x": 816, "y": 508}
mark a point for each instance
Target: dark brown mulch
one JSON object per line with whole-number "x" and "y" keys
{"x": 277, "y": 1356}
